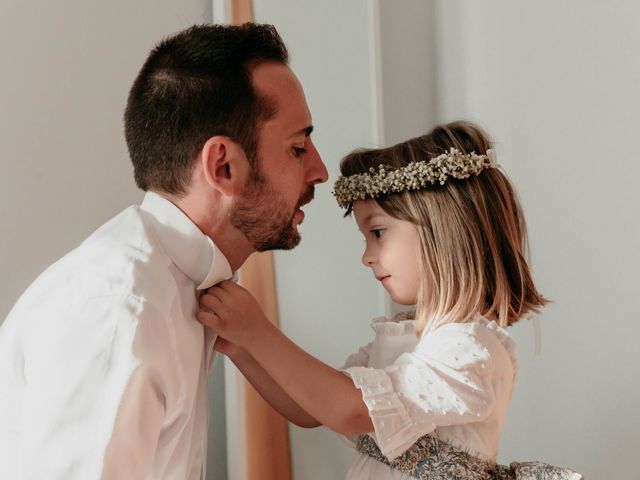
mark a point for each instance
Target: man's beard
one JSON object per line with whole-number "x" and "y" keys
{"x": 262, "y": 215}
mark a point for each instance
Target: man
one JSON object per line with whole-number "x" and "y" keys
{"x": 103, "y": 367}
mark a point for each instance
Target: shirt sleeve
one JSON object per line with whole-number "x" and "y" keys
{"x": 133, "y": 441}
{"x": 359, "y": 358}
{"x": 96, "y": 400}
{"x": 446, "y": 380}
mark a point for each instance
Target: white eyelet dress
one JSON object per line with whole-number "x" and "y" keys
{"x": 454, "y": 382}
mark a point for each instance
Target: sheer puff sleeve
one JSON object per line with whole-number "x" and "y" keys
{"x": 445, "y": 380}
{"x": 360, "y": 358}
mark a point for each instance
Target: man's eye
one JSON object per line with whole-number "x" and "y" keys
{"x": 297, "y": 151}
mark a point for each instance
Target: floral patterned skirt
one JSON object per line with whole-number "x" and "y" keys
{"x": 432, "y": 459}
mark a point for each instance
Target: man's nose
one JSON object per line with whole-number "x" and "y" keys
{"x": 317, "y": 171}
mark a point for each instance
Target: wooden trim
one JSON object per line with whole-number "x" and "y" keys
{"x": 242, "y": 11}
{"x": 267, "y": 433}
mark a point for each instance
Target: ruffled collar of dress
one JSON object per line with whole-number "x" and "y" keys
{"x": 503, "y": 336}
{"x": 392, "y": 327}
{"x": 397, "y": 327}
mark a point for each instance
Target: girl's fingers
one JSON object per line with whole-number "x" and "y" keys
{"x": 225, "y": 287}
{"x": 223, "y": 346}
{"x": 209, "y": 319}
{"x": 214, "y": 292}
{"x": 210, "y": 301}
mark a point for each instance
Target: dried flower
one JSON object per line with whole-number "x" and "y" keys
{"x": 414, "y": 176}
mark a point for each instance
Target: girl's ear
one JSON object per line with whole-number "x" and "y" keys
{"x": 225, "y": 165}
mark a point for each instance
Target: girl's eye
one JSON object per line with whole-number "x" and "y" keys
{"x": 377, "y": 232}
{"x": 297, "y": 151}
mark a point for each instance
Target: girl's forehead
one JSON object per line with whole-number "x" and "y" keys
{"x": 364, "y": 210}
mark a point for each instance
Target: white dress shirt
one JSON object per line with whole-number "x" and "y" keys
{"x": 103, "y": 366}
{"x": 455, "y": 382}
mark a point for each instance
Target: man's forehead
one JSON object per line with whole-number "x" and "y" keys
{"x": 280, "y": 86}
{"x": 290, "y": 120}
{"x": 275, "y": 80}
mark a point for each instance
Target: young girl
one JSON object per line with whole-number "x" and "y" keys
{"x": 427, "y": 398}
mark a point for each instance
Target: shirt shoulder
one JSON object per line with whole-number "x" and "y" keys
{"x": 480, "y": 342}
{"x": 123, "y": 258}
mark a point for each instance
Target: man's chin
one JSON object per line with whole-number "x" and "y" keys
{"x": 285, "y": 242}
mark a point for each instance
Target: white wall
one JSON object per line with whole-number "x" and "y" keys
{"x": 407, "y": 55}
{"x": 66, "y": 71}
{"x": 558, "y": 86}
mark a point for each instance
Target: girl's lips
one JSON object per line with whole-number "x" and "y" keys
{"x": 383, "y": 278}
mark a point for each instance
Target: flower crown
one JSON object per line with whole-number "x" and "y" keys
{"x": 414, "y": 176}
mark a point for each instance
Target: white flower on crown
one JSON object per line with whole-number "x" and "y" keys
{"x": 414, "y": 176}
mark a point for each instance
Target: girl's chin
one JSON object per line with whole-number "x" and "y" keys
{"x": 400, "y": 300}
{"x": 404, "y": 302}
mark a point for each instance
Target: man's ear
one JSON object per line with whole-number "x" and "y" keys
{"x": 225, "y": 165}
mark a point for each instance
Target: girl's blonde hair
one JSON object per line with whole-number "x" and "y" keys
{"x": 472, "y": 232}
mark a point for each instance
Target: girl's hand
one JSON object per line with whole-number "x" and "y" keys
{"x": 297, "y": 384}
{"x": 232, "y": 312}
{"x": 227, "y": 348}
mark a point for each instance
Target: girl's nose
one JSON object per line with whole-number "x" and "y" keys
{"x": 367, "y": 258}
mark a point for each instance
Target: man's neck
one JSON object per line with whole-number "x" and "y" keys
{"x": 214, "y": 222}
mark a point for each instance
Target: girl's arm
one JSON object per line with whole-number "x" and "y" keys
{"x": 326, "y": 394}
{"x": 265, "y": 385}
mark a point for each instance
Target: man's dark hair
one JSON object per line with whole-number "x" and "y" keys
{"x": 194, "y": 85}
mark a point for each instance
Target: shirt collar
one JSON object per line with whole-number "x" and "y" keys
{"x": 192, "y": 251}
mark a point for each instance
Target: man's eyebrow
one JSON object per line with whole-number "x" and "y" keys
{"x": 306, "y": 131}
